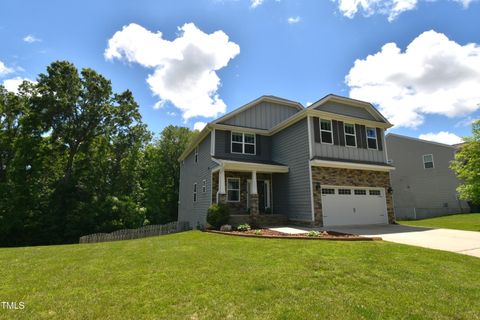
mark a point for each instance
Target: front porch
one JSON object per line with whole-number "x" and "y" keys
{"x": 247, "y": 189}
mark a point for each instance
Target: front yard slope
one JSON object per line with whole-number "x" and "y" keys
{"x": 467, "y": 221}
{"x": 195, "y": 275}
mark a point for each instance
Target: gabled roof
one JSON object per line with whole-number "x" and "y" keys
{"x": 421, "y": 140}
{"x": 265, "y": 98}
{"x": 351, "y": 102}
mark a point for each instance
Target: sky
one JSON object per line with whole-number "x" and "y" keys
{"x": 188, "y": 62}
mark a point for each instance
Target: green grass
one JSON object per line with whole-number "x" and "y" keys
{"x": 469, "y": 221}
{"x": 195, "y": 275}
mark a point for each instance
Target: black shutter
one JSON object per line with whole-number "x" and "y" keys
{"x": 316, "y": 129}
{"x": 335, "y": 132}
{"x": 363, "y": 132}
{"x": 228, "y": 136}
{"x": 358, "y": 133}
{"x": 341, "y": 133}
{"x": 258, "y": 144}
{"x": 379, "y": 139}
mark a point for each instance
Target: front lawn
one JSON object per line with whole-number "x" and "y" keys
{"x": 195, "y": 275}
{"x": 469, "y": 221}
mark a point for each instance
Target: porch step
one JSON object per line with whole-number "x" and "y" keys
{"x": 263, "y": 219}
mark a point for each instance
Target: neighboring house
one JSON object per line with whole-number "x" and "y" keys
{"x": 423, "y": 184}
{"x": 273, "y": 160}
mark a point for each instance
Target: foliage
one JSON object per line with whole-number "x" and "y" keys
{"x": 467, "y": 166}
{"x": 218, "y": 215}
{"x": 75, "y": 159}
{"x": 258, "y": 232}
{"x": 313, "y": 233}
{"x": 244, "y": 227}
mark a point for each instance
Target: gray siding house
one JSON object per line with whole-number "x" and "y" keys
{"x": 273, "y": 160}
{"x": 423, "y": 183}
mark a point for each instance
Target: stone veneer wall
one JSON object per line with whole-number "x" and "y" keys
{"x": 349, "y": 177}
{"x": 238, "y": 207}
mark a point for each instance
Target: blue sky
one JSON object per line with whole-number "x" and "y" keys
{"x": 299, "y": 50}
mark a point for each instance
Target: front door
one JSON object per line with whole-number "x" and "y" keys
{"x": 261, "y": 195}
{"x": 263, "y": 190}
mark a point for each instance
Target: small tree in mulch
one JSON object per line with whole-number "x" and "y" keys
{"x": 218, "y": 215}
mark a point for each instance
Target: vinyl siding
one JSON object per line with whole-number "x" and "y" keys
{"x": 191, "y": 172}
{"x": 265, "y": 115}
{"x": 291, "y": 191}
{"x": 347, "y": 110}
{"x": 264, "y": 149}
{"x": 348, "y": 153}
{"x": 432, "y": 192}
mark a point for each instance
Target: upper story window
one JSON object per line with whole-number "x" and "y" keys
{"x": 428, "y": 161}
{"x": 195, "y": 192}
{"x": 326, "y": 131}
{"x": 243, "y": 143}
{"x": 196, "y": 155}
{"x": 372, "y": 138}
{"x": 204, "y": 186}
{"x": 350, "y": 138}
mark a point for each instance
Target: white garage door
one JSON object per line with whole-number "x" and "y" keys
{"x": 353, "y": 206}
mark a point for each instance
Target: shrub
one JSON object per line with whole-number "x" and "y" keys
{"x": 218, "y": 215}
{"x": 313, "y": 233}
{"x": 258, "y": 232}
{"x": 244, "y": 227}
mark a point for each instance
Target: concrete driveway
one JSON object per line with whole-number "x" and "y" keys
{"x": 463, "y": 242}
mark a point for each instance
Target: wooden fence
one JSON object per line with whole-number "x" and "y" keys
{"x": 142, "y": 232}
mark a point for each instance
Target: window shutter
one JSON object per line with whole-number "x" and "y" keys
{"x": 258, "y": 144}
{"x": 316, "y": 129}
{"x": 335, "y": 132}
{"x": 228, "y": 136}
{"x": 358, "y": 133}
{"x": 379, "y": 139}
{"x": 341, "y": 133}
{"x": 363, "y": 132}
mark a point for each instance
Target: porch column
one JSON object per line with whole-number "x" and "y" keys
{"x": 254, "y": 198}
{"x": 222, "y": 197}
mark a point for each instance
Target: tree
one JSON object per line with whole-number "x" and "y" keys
{"x": 467, "y": 166}
{"x": 162, "y": 173}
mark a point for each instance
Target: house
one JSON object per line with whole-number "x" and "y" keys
{"x": 423, "y": 184}
{"x": 273, "y": 160}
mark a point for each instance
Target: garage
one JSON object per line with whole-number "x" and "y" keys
{"x": 353, "y": 205}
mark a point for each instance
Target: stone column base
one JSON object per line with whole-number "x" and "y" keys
{"x": 222, "y": 198}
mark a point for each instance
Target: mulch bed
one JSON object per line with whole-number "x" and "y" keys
{"x": 267, "y": 233}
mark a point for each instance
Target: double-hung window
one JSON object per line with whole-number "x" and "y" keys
{"x": 196, "y": 154}
{"x": 243, "y": 143}
{"x": 326, "y": 131}
{"x": 372, "y": 138}
{"x": 350, "y": 138}
{"x": 204, "y": 186}
{"x": 195, "y": 192}
{"x": 428, "y": 161}
{"x": 233, "y": 189}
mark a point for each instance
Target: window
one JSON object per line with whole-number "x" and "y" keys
{"x": 374, "y": 192}
{"x": 372, "y": 138}
{"x": 196, "y": 154}
{"x": 204, "y": 186}
{"x": 360, "y": 192}
{"x": 428, "y": 161}
{"x": 350, "y": 138}
{"x": 326, "y": 131}
{"x": 344, "y": 191}
{"x": 233, "y": 189}
{"x": 195, "y": 192}
{"x": 243, "y": 143}
{"x": 328, "y": 191}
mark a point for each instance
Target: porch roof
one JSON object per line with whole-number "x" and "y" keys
{"x": 249, "y": 165}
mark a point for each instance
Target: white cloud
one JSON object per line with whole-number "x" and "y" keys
{"x": 308, "y": 104}
{"x": 255, "y": 3}
{"x": 199, "y": 125}
{"x": 4, "y": 70}
{"x": 293, "y": 20}
{"x": 184, "y": 70}
{"x": 13, "y": 84}
{"x": 434, "y": 75}
{"x": 442, "y": 137}
{"x": 31, "y": 39}
{"x": 391, "y": 8}
{"x": 171, "y": 113}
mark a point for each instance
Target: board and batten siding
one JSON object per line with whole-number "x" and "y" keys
{"x": 291, "y": 191}
{"x": 346, "y": 110}
{"x": 191, "y": 172}
{"x": 333, "y": 151}
{"x": 265, "y": 115}
{"x": 223, "y": 147}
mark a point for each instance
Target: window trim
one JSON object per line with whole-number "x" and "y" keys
{"x": 424, "y": 162}
{"x": 376, "y": 138}
{"x": 239, "y": 189}
{"x": 354, "y": 134}
{"x": 243, "y": 143}
{"x": 204, "y": 185}
{"x": 195, "y": 196}
{"x": 322, "y": 130}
